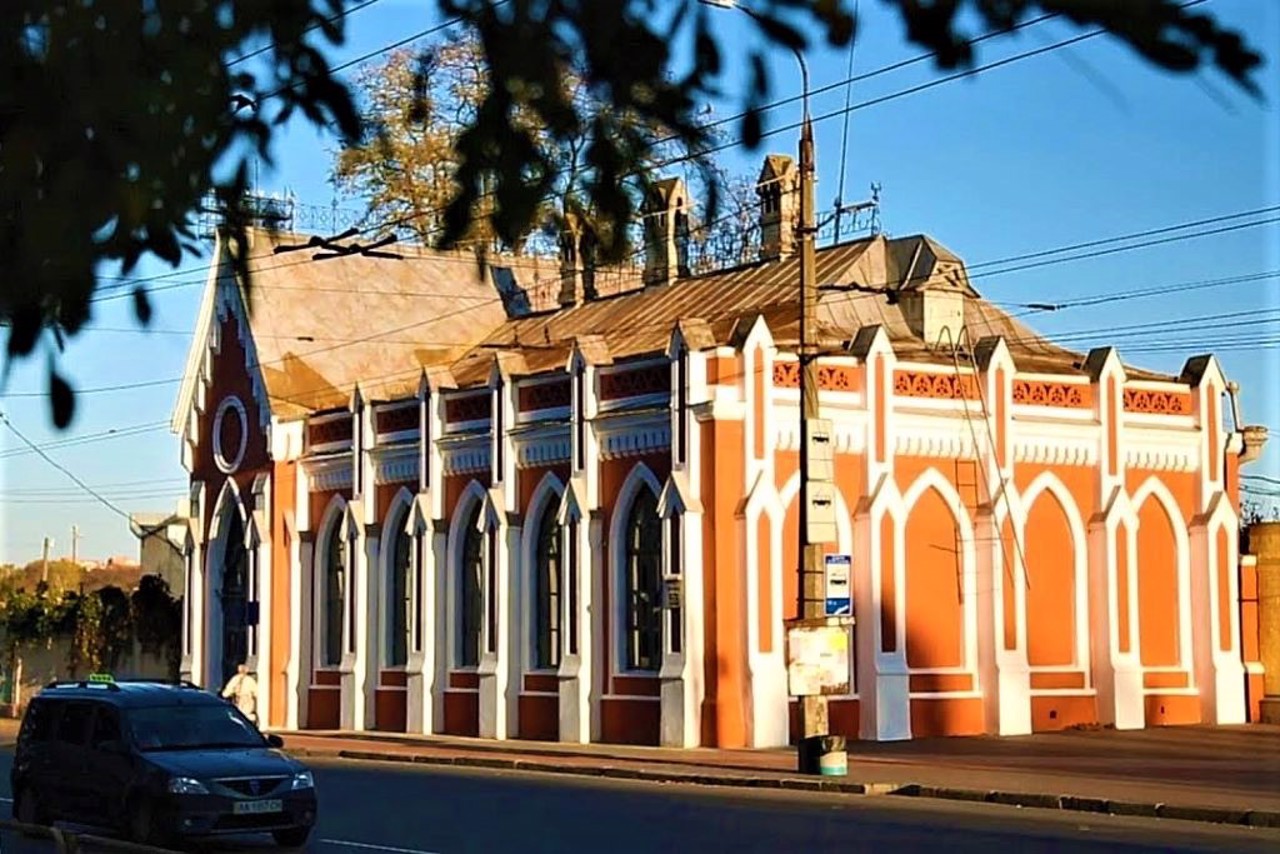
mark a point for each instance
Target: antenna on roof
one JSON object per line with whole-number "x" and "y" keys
{"x": 336, "y": 251}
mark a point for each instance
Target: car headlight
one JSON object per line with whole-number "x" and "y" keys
{"x": 303, "y": 780}
{"x": 186, "y": 786}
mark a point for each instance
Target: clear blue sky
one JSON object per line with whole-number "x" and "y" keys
{"x": 1079, "y": 144}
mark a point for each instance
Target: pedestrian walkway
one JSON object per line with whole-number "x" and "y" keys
{"x": 1226, "y": 772}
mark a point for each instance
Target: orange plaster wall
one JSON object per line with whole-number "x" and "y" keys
{"x": 1049, "y": 714}
{"x": 385, "y": 493}
{"x": 1051, "y": 593}
{"x": 939, "y": 716}
{"x": 1158, "y": 630}
{"x": 284, "y": 489}
{"x": 725, "y": 629}
{"x": 527, "y": 481}
{"x": 934, "y": 581}
{"x": 319, "y": 503}
{"x": 1222, "y": 573}
{"x": 1009, "y": 585}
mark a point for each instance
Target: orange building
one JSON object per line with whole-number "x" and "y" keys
{"x": 431, "y": 497}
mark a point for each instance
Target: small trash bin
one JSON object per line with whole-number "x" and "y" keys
{"x": 825, "y": 755}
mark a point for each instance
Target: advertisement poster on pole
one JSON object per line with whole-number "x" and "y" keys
{"x": 839, "y": 592}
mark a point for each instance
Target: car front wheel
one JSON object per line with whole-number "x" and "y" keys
{"x": 293, "y": 837}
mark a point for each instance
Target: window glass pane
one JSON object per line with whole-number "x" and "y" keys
{"x": 335, "y": 567}
{"x": 187, "y": 727}
{"x": 644, "y": 583}
{"x": 398, "y": 597}
{"x": 106, "y": 726}
{"x": 73, "y": 725}
{"x": 547, "y": 586}
{"x": 469, "y": 601}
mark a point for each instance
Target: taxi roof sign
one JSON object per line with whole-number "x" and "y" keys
{"x": 101, "y": 677}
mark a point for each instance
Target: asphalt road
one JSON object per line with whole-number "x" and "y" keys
{"x": 381, "y": 808}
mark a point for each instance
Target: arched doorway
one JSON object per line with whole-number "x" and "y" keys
{"x": 233, "y": 597}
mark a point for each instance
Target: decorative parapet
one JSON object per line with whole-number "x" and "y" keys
{"x": 1156, "y": 402}
{"x": 934, "y": 386}
{"x": 653, "y": 379}
{"x": 1062, "y": 395}
{"x": 786, "y": 374}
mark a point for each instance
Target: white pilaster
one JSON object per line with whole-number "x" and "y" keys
{"x": 1004, "y": 675}
{"x": 883, "y": 681}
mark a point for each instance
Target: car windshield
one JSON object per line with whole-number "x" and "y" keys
{"x": 192, "y": 728}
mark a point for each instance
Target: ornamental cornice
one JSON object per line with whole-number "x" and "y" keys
{"x": 953, "y": 442}
{"x": 1162, "y": 458}
{"x": 848, "y": 436}
{"x": 395, "y": 465}
{"x": 1056, "y": 450}
{"x": 465, "y": 455}
{"x": 326, "y": 474}
{"x": 543, "y": 446}
{"x": 635, "y": 435}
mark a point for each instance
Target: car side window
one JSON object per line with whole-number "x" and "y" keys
{"x": 73, "y": 726}
{"x": 37, "y": 726}
{"x": 106, "y": 726}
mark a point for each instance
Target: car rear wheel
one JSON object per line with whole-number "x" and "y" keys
{"x": 293, "y": 837}
{"x": 27, "y": 809}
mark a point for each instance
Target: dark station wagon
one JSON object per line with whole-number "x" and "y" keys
{"x": 160, "y": 762}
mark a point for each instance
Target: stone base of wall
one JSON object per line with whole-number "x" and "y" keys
{"x": 1270, "y": 708}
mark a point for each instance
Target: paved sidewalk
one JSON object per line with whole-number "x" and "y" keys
{"x": 1224, "y": 774}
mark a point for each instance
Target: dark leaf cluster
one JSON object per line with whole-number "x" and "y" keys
{"x": 116, "y": 120}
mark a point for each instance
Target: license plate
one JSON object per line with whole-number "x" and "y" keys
{"x": 257, "y": 807}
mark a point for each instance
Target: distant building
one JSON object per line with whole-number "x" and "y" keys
{"x": 425, "y": 498}
{"x": 161, "y": 538}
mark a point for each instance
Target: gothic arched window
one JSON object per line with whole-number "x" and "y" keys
{"x": 471, "y": 569}
{"x": 643, "y": 595}
{"x": 332, "y": 596}
{"x": 547, "y": 567}
{"x": 396, "y": 649}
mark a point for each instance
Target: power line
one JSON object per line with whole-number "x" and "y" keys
{"x": 333, "y": 20}
{"x": 830, "y": 301}
{"x": 89, "y": 438}
{"x": 400, "y": 221}
{"x": 51, "y": 461}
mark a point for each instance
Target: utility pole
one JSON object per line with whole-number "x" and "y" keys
{"x": 817, "y": 474}
{"x": 812, "y": 575}
{"x": 75, "y": 537}
{"x": 44, "y": 561}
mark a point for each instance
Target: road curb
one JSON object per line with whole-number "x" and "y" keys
{"x": 1072, "y": 803}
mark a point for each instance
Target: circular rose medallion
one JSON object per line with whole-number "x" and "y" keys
{"x": 230, "y": 434}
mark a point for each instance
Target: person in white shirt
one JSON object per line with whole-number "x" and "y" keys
{"x": 242, "y": 689}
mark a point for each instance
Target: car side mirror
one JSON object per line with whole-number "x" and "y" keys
{"x": 274, "y": 740}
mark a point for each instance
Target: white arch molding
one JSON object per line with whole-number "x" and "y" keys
{"x": 335, "y": 514}
{"x": 932, "y": 478}
{"x": 547, "y": 496}
{"x": 1154, "y": 487}
{"x": 229, "y": 501}
{"x": 640, "y": 477}
{"x": 471, "y": 496}
{"x": 396, "y": 522}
